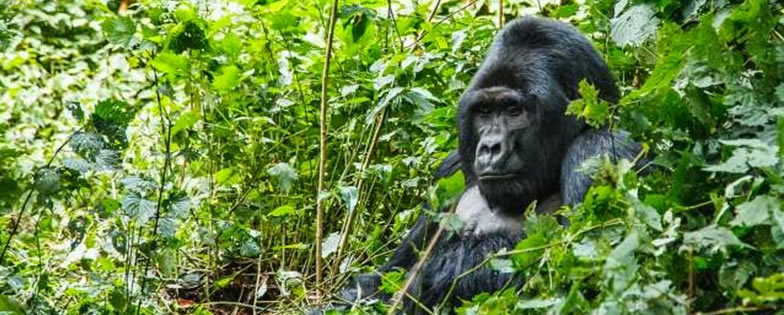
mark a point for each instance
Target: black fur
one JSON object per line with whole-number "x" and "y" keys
{"x": 543, "y": 60}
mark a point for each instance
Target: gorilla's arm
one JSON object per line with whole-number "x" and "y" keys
{"x": 591, "y": 143}
{"x": 405, "y": 254}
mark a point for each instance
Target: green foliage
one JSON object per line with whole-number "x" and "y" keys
{"x": 589, "y": 107}
{"x": 183, "y": 139}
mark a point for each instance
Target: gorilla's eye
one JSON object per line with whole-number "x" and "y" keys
{"x": 483, "y": 110}
{"x": 515, "y": 110}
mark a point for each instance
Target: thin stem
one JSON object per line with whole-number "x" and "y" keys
{"x": 435, "y": 9}
{"x": 394, "y": 23}
{"x": 323, "y": 144}
{"x": 500, "y": 13}
{"x": 166, "y": 133}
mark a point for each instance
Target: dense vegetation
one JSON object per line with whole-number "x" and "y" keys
{"x": 163, "y": 158}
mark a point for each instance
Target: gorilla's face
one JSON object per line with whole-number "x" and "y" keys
{"x": 501, "y": 123}
{"x": 511, "y": 154}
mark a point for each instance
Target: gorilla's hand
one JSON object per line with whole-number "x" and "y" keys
{"x": 362, "y": 286}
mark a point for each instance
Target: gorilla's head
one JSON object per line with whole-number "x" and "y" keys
{"x": 513, "y": 130}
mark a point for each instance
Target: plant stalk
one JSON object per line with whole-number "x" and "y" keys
{"x": 323, "y": 145}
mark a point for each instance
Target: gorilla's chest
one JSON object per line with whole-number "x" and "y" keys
{"x": 481, "y": 219}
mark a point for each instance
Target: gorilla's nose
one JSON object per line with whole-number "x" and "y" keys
{"x": 490, "y": 152}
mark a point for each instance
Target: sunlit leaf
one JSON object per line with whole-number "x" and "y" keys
{"x": 283, "y": 211}
{"x": 119, "y": 30}
{"x": 171, "y": 64}
{"x": 227, "y": 79}
{"x": 185, "y": 121}
{"x": 285, "y": 175}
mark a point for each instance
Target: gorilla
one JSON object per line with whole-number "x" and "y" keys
{"x": 516, "y": 146}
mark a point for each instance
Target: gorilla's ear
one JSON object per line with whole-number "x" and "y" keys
{"x": 449, "y": 165}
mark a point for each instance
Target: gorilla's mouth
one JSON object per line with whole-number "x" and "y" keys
{"x": 497, "y": 176}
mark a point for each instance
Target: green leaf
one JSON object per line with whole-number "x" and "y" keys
{"x": 449, "y": 189}
{"x": 330, "y": 244}
{"x": 119, "y": 30}
{"x": 734, "y": 276}
{"x": 283, "y": 211}
{"x": 589, "y": 107}
{"x": 111, "y": 118}
{"x": 192, "y": 37}
{"x": 181, "y": 206}
{"x": 138, "y": 208}
{"x": 541, "y": 229}
{"x": 768, "y": 290}
{"x": 185, "y": 121}
{"x": 780, "y": 92}
{"x": 87, "y": 144}
{"x": 621, "y": 253}
{"x": 648, "y": 215}
{"x": 756, "y": 212}
{"x": 250, "y": 248}
{"x": 227, "y": 176}
{"x": 393, "y": 281}
{"x": 501, "y": 265}
{"x": 117, "y": 299}
{"x": 47, "y": 181}
{"x": 381, "y": 82}
{"x": 565, "y": 11}
{"x": 635, "y": 25}
{"x": 231, "y": 45}
{"x": 223, "y": 282}
{"x": 171, "y": 64}
{"x": 9, "y": 306}
{"x": 751, "y": 153}
{"x": 350, "y": 196}
{"x": 227, "y": 79}
{"x": 778, "y": 218}
{"x": 537, "y": 303}
{"x": 284, "y": 174}
{"x": 276, "y": 6}
{"x": 713, "y": 238}
{"x": 115, "y": 111}
{"x": 621, "y": 265}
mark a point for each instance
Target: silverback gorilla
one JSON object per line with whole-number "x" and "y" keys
{"x": 516, "y": 146}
